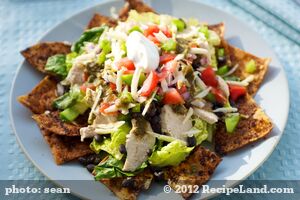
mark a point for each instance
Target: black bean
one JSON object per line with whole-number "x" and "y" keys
{"x": 91, "y": 159}
{"x": 98, "y": 138}
{"x": 122, "y": 149}
{"x": 90, "y": 167}
{"x": 155, "y": 169}
{"x": 149, "y": 152}
{"x": 221, "y": 59}
{"x": 159, "y": 176}
{"x": 97, "y": 160}
{"x": 82, "y": 161}
{"x": 128, "y": 183}
{"x": 191, "y": 141}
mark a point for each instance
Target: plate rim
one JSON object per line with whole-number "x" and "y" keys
{"x": 231, "y": 183}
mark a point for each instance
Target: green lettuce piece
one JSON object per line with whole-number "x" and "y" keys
{"x": 111, "y": 145}
{"x": 202, "y": 126}
{"x": 91, "y": 35}
{"x": 57, "y": 65}
{"x": 68, "y": 99}
{"x": 213, "y": 38}
{"x": 70, "y": 59}
{"x": 112, "y": 168}
{"x": 170, "y": 155}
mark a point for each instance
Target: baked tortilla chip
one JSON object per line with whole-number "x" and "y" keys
{"x": 195, "y": 170}
{"x": 142, "y": 181}
{"x": 51, "y": 122}
{"x": 218, "y": 28}
{"x": 37, "y": 55}
{"x": 65, "y": 149}
{"x": 41, "y": 97}
{"x": 240, "y": 57}
{"x": 256, "y": 126}
{"x": 99, "y": 20}
{"x": 137, "y": 5}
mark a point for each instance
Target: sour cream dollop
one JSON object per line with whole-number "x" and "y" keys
{"x": 142, "y": 51}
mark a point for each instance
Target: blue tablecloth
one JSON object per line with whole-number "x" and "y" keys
{"x": 22, "y": 22}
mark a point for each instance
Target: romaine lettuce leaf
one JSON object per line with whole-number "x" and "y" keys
{"x": 91, "y": 35}
{"x": 170, "y": 155}
{"x": 111, "y": 145}
{"x": 68, "y": 99}
{"x": 112, "y": 168}
{"x": 202, "y": 126}
{"x": 57, "y": 65}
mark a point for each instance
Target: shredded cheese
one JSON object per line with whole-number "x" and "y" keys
{"x": 135, "y": 81}
{"x": 119, "y": 81}
{"x": 232, "y": 70}
{"x": 188, "y": 115}
{"x": 223, "y": 86}
{"x": 203, "y": 94}
{"x": 149, "y": 101}
{"x": 201, "y": 51}
{"x": 226, "y": 110}
{"x": 209, "y": 117}
{"x": 97, "y": 99}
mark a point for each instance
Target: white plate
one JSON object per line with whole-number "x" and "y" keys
{"x": 273, "y": 96}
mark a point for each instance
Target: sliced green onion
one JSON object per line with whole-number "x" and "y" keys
{"x": 137, "y": 108}
{"x": 105, "y": 45}
{"x": 251, "y": 66}
{"x": 180, "y": 24}
{"x": 135, "y": 28}
{"x": 210, "y": 97}
{"x": 231, "y": 123}
{"x": 101, "y": 58}
{"x": 221, "y": 52}
{"x": 127, "y": 78}
{"x": 223, "y": 70}
{"x": 204, "y": 30}
{"x": 169, "y": 45}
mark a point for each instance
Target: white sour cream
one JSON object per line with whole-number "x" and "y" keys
{"x": 142, "y": 51}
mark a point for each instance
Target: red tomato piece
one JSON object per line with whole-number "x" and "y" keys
{"x": 125, "y": 62}
{"x": 154, "y": 40}
{"x": 236, "y": 91}
{"x": 220, "y": 98}
{"x": 173, "y": 97}
{"x": 102, "y": 108}
{"x": 151, "y": 30}
{"x": 182, "y": 89}
{"x": 208, "y": 76}
{"x": 167, "y": 32}
{"x": 149, "y": 84}
{"x": 166, "y": 58}
{"x": 112, "y": 86}
{"x": 85, "y": 76}
{"x": 83, "y": 88}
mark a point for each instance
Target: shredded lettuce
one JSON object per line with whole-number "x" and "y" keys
{"x": 112, "y": 168}
{"x": 170, "y": 155}
{"x": 111, "y": 145}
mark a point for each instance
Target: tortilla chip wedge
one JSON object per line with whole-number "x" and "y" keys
{"x": 195, "y": 170}
{"x": 256, "y": 126}
{"x": 65, "y": 149}
{"x": 142, "y": 182}
{"x": 240, "y": 57}
{"x": 137, "y": 5}
{"x": 37, "y": 55}
{"x": 41, "y": 97}
{"x": 51, "y": 122}
{"x": 99, "y": 20}
{"x": 218, "y": 28}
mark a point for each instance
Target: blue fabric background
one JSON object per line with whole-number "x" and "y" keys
{"x": 22, "y": 23}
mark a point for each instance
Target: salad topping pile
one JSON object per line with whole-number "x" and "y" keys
{"x": 153, "y": 88}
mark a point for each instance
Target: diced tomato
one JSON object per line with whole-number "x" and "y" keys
{"x": 149, "y": 84}
{"x": 125, "y": 62}
{"x": 236, "y": 91}
{"x": 151, "y": 30}
{"x": 167, "y": 32}
{"x": 112, "y": 86}
{"x": 128, "y": 72}
{"x": 193, "y": 45}
{"x": 219, "y": 96}
{"x": 102, "y": 108}
{"x": 208, "y": 76}
{"x": 166, "y": 58}
{"x": 83, "y": 88}
{"x": 154, "y": 40}
{"x": 173, "y": 97}
{"x": 85, "y": 76}
{"x": 182, "y": 89}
